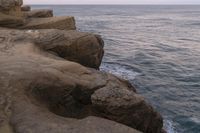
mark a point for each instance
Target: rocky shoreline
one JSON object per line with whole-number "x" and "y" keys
{"x": 50, "y": 82}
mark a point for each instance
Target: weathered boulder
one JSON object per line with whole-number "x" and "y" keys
{"x": 25, "y": 8}
{"x": 42, "y": 13}
{"x": 83, "y": 48}
{"x": 61, "y": 23}
{"x": 40, "y": 91}
{"x": 10, "y": 21}
{"x": 127, "y": 107}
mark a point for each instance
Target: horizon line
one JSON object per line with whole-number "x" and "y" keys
{"x": 123, "y": 4}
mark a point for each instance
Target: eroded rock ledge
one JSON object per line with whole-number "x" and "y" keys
{"x": 48, "y": 82}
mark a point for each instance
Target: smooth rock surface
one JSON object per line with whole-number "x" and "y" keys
{"x": 40, "y": 91}
{"x": 39, "y": 13}
{"x": 61, "y": 23}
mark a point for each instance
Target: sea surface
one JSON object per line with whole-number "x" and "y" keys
{"x": 157, "y": 48}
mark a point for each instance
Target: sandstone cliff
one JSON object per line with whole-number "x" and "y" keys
{"x": 50, "y": 83}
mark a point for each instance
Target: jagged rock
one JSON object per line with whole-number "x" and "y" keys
{"x": 42, "y": 92}
{"x": 61, "y": 23}
{"x": 25, "y": 8}
{"x": 44, "y": 13}
{"x": 11, "y": 21}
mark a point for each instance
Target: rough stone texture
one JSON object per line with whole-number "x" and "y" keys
{"x": 6, "y": 4}
{"x": 84, "y": 48}
{"x": 42, "y": 13}
{"x": 11, "y": 21}
{"x": 11, "y": 7}
{"x": 18, "y": 2}
{"x": 36, "y": 84}
{"x": 25, "y": 8}
{"x": 61, "y": 23}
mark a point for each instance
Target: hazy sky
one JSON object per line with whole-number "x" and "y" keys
{"x": 112, "y": 1}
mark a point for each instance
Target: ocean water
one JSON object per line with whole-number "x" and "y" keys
{"x": 157, "y": 48}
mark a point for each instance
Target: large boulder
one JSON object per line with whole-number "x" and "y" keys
{"x": 40, "y": 91}
{"x": 39, "y": 13}
{"x": 61, "y": 23}
{"x": 83, "y": 48}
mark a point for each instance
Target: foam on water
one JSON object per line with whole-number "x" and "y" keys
{"x": 119, "y": 70}
{"x": 169, "y": 127}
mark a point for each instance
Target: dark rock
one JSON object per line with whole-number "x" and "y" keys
{"x": 25, "y": 8}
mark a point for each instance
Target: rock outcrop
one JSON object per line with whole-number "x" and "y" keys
{"x": 25, "y": 8}
{"x": 11, "y": 7}
{"x": 48, "y": 83}
{"x": 11, "y": 21}
{"x": 34, "y": 19}
{"x": 44, "y": 13}
{"x": 61, "y": 23}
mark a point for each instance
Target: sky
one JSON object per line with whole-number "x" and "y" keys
{"x": 112, "y": 1}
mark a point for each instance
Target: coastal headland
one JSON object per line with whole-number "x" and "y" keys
{"x": 50, "y": 80}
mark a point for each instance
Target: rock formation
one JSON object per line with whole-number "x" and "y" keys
{"x": 49, "y": 82}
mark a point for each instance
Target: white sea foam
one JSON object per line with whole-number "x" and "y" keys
{"x": 169, "y": 127}
{"x": 119, "y": 70}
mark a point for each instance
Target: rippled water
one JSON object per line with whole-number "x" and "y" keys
{"x": 157, "y": 48}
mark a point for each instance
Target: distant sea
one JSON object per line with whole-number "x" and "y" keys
{"x": 155, "y": 47}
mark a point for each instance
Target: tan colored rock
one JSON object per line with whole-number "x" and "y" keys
{"x": 83, "y": 48}
{"x": 127, "y": 107}
{"x": 6, "y": 4}
{"x": 25, "y": 8}
{"x": 11, "y": 21}
{"x": 61, "y": 23}
{"x": 42, "y": 92}
{"x": 39, "y": 13}
{"x": 11, "y": 7}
